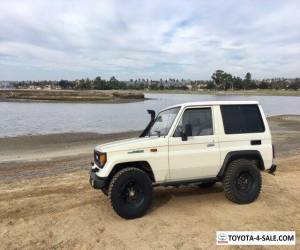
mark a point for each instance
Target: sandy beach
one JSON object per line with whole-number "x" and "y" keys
{"x": 46, "y": 201}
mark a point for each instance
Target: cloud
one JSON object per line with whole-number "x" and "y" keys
{"x": 128, "y": 39}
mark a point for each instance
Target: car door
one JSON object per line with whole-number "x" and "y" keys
{"x": 199, "y": 155}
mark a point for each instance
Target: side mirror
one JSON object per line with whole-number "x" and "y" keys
{"x": 183, "y": 135}
{"x": 186, "y": 132}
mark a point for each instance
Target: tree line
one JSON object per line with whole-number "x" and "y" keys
{"x": 220, "y": 80}
{"x": 97, "y": 83}
{"x": 113, "y": 84}
{"x": 224, "y": 81}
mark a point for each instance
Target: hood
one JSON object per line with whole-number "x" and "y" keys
{"x": 130, "y": 144}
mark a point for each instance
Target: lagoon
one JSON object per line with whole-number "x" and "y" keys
{"x": 32, "y": 118}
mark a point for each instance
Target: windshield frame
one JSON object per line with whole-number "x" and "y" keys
{"x": 173, "y": 122}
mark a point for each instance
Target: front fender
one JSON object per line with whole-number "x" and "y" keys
{"x": 157, "y": 160}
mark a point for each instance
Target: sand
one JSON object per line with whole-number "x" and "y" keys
{"x": 48, "y": 203}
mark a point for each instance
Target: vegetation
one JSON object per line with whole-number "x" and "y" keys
{"x": 225, "y": 81}
{"x": 220, "y": 80}
{"x": 69, "y": 95}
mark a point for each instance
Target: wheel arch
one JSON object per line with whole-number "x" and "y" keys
{"x": 143, "y": 165}
{"x": 245, "y": 154}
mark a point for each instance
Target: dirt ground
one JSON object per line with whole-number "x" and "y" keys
{"x": 49, "y": 204}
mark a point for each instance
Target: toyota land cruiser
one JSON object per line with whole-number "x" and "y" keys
{"x": 198, "y": 143}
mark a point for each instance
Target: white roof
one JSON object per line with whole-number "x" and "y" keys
{"x": 212, "y": 103}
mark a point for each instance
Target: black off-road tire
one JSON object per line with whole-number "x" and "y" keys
{"x": 207, "y": 184}
{"x": 242, "y": 181}
{"x": 130, "y": 193}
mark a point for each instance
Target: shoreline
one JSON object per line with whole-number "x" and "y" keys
{"x": 112, "y": 134}
{"x": 51, "y": 146}
{"x": 124, "y": 96}
{"x": 111, "y": 101}
{"x": 268, "y": 92}
{"x": 36, "y": 148}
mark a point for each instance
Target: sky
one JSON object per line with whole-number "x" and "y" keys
{"x": 70, "y": 39}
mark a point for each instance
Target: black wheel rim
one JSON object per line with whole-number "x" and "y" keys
{"x": 132, "y": 194}
{"x": 245, "y": 183}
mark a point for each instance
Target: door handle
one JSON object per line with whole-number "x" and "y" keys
{"x": 210, "y": 144}
{"x": 255, "y": 142}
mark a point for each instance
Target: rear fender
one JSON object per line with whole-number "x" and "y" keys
{"x": 246, "y": 154}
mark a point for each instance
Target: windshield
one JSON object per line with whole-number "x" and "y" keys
{"x": 163, "y": 122}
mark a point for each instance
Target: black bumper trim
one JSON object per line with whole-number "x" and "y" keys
{"x": 272, "y": 169}
{"x": 97, "y": 182}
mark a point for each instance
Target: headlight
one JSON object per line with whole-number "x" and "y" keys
{"x": 100, "y": 158}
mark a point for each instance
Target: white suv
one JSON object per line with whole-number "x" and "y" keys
{"x": 192, "y": 143}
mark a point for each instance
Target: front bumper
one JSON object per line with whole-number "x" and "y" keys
{"x": 272, "y": 169}
{"x": 96, "y": 181}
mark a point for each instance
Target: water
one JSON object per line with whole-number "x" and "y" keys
{"x": 25, "y": 118}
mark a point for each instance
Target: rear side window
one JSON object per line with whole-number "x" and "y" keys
{"x": 238, "y": 119}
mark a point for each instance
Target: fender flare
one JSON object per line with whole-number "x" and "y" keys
{"x": 143, "y": 165}
{"x": 248, "y": 154}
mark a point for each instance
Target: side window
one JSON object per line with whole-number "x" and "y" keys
{"x": 198, "y": 121}
{"x": 238, "y": 119}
